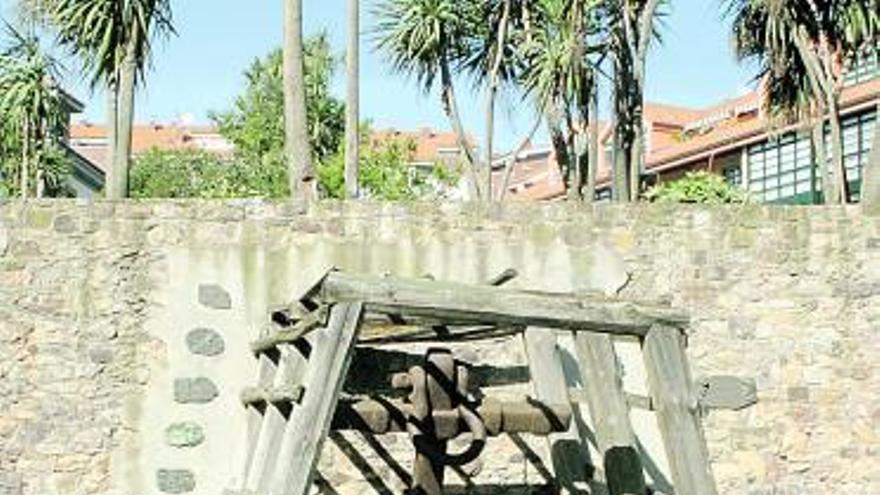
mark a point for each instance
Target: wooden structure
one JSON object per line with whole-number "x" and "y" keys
{"x": 304, "y": 361}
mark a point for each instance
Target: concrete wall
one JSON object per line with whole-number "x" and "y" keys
{"x": 124, "y": 332}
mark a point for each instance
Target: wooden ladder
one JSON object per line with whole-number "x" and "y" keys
{"x": 303, "y": 363}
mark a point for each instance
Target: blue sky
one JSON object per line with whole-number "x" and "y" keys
{"x": 201, "y": 69}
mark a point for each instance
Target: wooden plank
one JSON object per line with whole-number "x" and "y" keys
{"x": 267, "y": 367}
{"x": 308, "y": 323}
{"x": 569, "y": 452}
{"x": 462, "y": 304}
{"x": 288, "y": 377}
{"x": 307, "y": 428}
{"x": 603, "y": 387}
{"x": 675, "y": 401}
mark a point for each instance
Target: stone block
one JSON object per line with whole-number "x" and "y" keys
{"x": 215, "y": 297}
{"x": 11, "y": 484}
{"x": 205, "y": 342}
{"x": 175, "y": 480}
{"x": 101, "y": 354}
{"x": 65, "y": 224}
{"x": 199, "y": 390}
{"x": 742, "y": 327}
{"x": 184, "y": 434}
{"x": 38, "y": 218}
{"x": 798, "y": 394}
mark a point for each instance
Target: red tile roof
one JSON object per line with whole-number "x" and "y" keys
{"x": 430, "y": 145}
{"x": 681, "y": 136}
{"x": 90, "y": 139}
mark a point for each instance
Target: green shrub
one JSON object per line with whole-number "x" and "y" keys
{"x": 697, "y": 187}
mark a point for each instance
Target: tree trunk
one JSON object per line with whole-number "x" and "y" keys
{"x": 635, "y": 162}
{"x": 638, "y": 143}
{"x": 622, "y": 134}
{"x": 839, "y": 187}
{"x": 450, "y": 107}
{"x": 491, "y": 93}
{"x": 576, "y": 176}
{"x": 821, "y": 159}
{"x": 112, "y": 138}
{"x": 25, "y": 158}
{"x": 871, "y": 175}
{"x": 296, "y": 132}
{"x": 352, "y": 113}
{"x": 593, "y": 166}
{"x": 490, "y": 135}
{"x": 122, "y": 157}
{"x": 560, "y": 145}
{"x": 511, "y": 162}
{"x": 44, "y": 142}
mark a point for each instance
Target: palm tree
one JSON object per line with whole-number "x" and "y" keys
{"x": 428, "y": 41}
{"x": 300, "y": 164}
{"x": 114, "y": 40}
{"x": 495, "y": 54}
{"x": 799, "y": 46}
{"x": 633, "y": 29}
{"x": 559, "y": 75}
{"x": 33, "y": 107}
{"x": 352, "y": 120}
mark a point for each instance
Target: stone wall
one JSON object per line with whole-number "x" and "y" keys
{"x": 124, "y": 332}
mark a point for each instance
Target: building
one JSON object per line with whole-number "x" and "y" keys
{"x": 536, "y": 176}
{"x": 85, "y": 179}
{"x": 90, "y": 140}
{"x": 735, "y": 139}
{"x": 430, "y": 147}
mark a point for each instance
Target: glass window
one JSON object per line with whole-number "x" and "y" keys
{"x": 864, "y": 67}
{"x": 733, "y": 175}
{"x": 858, "y": 136}
{"x": 603, "y": 194}
{"x": 781, "y": 169}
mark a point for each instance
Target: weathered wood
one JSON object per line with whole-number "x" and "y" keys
{"x": 286, "y": 388}
{"x": 571, "y": 457}
{"x": 255, "y": 411}
{"x": 388, "y": 416}
{"x": 289, "y": 394}
{"x": 634, "y": 401}
{"x": 307, "y": 428}
{"x": 675, "y": 400}
{"x": 603, "y": 387}
{"x": 461, "y": 304}
{"x": 384, "y": 334}
{"x": 308, "y": 323}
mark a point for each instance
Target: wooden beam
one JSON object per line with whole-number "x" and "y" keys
{"x": 390, "y": 415}
{"x": 308, "y": 425}
{"x": 675, "y": 401}
{"x": 308, "y": 323}
{"x": 268, "y": 367}
{"x": 284, "y": 393}
{"x": 462, "y": 304}
{"x": 570, "y": 452}
{"x": 603, "y": 387}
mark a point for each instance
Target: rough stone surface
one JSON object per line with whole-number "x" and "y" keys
{"x": 205, "y": 342}
{"x": 199, "y": 390}
{"x": 4, "y": 241}
{"x": 65, "y": 224}
{"x": 214, "y": 296}
{"x": 175, "y": 481}
{"x": 185, "y": 434}
{"x": 784, "y": 295}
